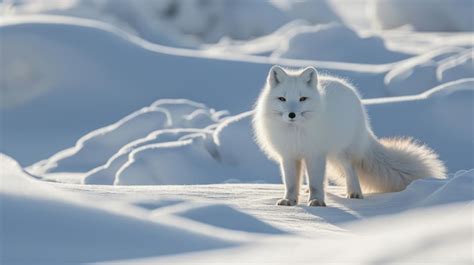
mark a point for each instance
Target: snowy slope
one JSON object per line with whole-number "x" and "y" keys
{"x": 68, "y": 227}
{"x": 86, "y": 223}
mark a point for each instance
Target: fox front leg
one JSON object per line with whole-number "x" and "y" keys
{"x": 291, "y": 171}
{"x": 316, "y": 167}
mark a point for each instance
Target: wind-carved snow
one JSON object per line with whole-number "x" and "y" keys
{"x": 69, "y": 227}
{"x": 308, "y": 42}
{"x": 142, "y": 126}
{"x": 227, "y": 155}
{"x": 429, "y": 70}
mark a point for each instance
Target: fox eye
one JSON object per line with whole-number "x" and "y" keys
{"x": 282, "y": 99}
{"x": 303, "y": 99}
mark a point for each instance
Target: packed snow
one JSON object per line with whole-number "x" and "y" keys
{"x": 125, "y": 130}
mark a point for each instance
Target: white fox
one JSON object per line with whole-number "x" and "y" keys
{"x": 303, "y": 121}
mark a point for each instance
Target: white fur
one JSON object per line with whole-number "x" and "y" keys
{"x": 331, "y": 127}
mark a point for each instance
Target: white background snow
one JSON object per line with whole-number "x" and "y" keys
{"x": 125, "y": 130}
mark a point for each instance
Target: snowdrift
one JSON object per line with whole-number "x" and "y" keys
{"x": 428, "y": 70}
{"x": 96, "y": 147}
{"x": 441, "y": 117}
{"x": 68, "y": 227}
{"x": 226, "y": 152}
{"x": 422, "y": 236}
{"x": 435, "y": 15}
{"x": 330, "y": 42}
{"x": 108, "y": 227}
{"x": 184, "y": 23}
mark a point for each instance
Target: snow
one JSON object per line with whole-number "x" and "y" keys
{"x": 96, "y": 147}
{"x": 429, "y": 236}
{"x": 68, "y": 227}
{"x": 437, "y": 15}
{"x": 226, "y": 151}
{"x": 428, "y": 117}
{"x": 230, "y": 218}
{"x": 145, "y": 224}
{"x": 308, "y": 42}
{"x": 430, "y": 69}
{"x": 125, "y": 130}
{"x": 184, "y": 23}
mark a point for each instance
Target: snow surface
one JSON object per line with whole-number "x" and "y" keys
{"x": 44, "y": 225}
{"x": 125, "y": 130}
{"x": 238, "y": 222}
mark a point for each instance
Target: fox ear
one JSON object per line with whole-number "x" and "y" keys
{"x": 309, "y": 75}
{"x": 276, "y": 75}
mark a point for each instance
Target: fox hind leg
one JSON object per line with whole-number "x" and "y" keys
{"x": 354, "y": 190}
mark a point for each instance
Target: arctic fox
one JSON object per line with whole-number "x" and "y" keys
{"x": 303, "y": 120}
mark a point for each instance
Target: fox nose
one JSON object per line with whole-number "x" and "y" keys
{"x": 292, "y": 115}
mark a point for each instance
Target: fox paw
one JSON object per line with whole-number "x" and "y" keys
{"x": 286, "y": 202}
{"x": 355, "y": 195}
{"x": 316, "y": 202}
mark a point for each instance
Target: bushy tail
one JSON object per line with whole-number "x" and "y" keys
{"x": 393, "y": 163}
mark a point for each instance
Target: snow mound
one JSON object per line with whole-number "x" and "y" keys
{"x": 425, "y": 71}
{"x": 330, "y": 43}
{"x": 46, "y": 225}
{"x": 202, "y": 159}
{"x": 421, "y": 193}
{"x": 96, "y": 147}
{"x": 459, "y": 188}
{"x": 179, "y": 162}
{"x": 435, "y": 15}
{"x": 105, "y": 174}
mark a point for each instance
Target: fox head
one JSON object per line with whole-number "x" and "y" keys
{"x": 292, "y": 95}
